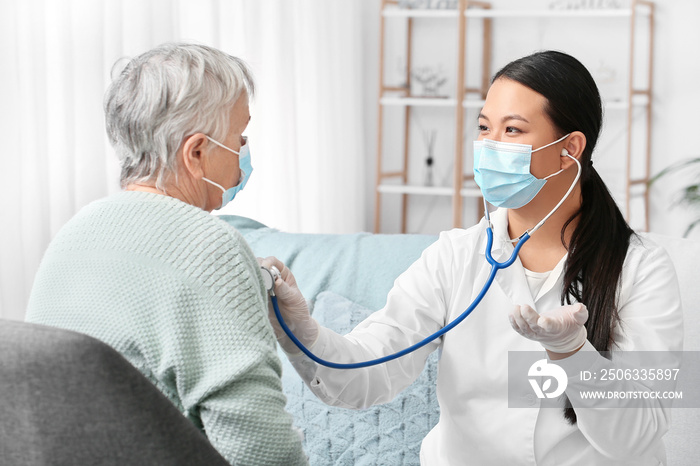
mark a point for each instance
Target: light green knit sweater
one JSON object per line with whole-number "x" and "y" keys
{"x": 178, "y": 292}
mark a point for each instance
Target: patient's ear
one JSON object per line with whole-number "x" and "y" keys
{"x": 193, "y": 155}
{"x": 574, "y": 145}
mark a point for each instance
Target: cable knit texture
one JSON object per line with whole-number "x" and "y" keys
{"x": 178, "y": 292}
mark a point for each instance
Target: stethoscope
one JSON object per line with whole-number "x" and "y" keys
{"x": 270, "y": 275}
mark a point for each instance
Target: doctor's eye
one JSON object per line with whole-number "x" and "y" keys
{"x": 483, "y": 128}
{"x": 512, "y": 130}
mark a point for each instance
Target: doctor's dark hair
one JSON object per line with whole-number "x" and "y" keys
{"x": 164, "y": 95}
{"x": 600, "y": 240}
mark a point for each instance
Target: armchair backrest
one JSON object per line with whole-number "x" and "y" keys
{"x": 69, "y": 399}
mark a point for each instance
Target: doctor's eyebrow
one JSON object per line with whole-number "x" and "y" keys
{"x": 514, "y": 116}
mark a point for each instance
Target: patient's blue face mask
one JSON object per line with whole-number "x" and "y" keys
{"x": 502, "y": 171}
{"x": 246, "y": 169}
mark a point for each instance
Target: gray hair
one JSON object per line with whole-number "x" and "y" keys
{"x": 164, "y": 95}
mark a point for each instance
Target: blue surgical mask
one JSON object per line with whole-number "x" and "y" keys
{"x": 246, "y": 169}
{"x": 502, "y": 171}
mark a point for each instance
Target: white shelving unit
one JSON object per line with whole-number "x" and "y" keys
{"x": 636, "y": 98}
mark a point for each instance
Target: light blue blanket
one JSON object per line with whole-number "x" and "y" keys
{"x": 361, "y": 267}
{"x": 347, "y": 277}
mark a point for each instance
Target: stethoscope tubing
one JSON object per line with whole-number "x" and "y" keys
{"x": 495, "y": 267}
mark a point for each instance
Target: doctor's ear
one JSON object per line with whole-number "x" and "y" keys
{"x": 193, "y": 152}
{"x": 573, "y": 146}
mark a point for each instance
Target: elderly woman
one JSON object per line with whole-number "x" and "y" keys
{"x": 150, "y": 272}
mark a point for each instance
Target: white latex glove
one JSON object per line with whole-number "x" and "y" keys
{"x": 293, "y": 308}
{"x": 559, "y": 330}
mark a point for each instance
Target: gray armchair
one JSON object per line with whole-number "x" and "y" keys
{"x": 68, "y": 399}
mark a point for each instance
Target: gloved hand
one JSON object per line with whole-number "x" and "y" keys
{"x": 293, "y": 308}
{"x": 559, "y": 330}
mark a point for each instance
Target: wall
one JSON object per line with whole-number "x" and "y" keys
{"x": 306, "y": 125}
{"x": 602, "y": 46}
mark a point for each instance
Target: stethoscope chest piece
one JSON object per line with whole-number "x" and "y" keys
{"x": 269, "y": 276}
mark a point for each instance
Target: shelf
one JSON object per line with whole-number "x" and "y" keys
{"x": 637, "y": 100}
{"x": 489, "y": 13}
{"x": 426, "y": 190}
{"x": 473, "y": 103}
{"x": 418, "y": 102}
{"x": 601, "y": 13}
{"x": 419, "y": 13}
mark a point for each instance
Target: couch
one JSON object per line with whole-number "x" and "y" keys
{"x": 346, "y": 277}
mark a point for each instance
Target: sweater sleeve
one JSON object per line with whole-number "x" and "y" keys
{"x": 233, "y": 384}
{"x": 245, "y": 419}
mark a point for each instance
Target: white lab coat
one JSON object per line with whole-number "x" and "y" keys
{"x": 476, "y": 425}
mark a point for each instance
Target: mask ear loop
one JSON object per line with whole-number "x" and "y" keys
{"x": 224, "y": 147}
{"x": 214, "y": 183}
{"x": 551, "y": 143}
{"x": 571, "y": 188}
{"x": 240, "y": 178}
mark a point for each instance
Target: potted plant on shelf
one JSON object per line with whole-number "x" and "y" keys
{"x": 690, "y": 195}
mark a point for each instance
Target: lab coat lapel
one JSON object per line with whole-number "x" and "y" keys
{"x": 511, "y": 279}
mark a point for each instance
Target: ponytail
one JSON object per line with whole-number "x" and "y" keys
{"x": 597, "y": 251}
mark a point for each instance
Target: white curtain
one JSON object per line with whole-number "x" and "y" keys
{"x": 306, "y": 131}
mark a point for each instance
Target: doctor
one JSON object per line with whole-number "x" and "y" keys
{"x": 583, "y": 283}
